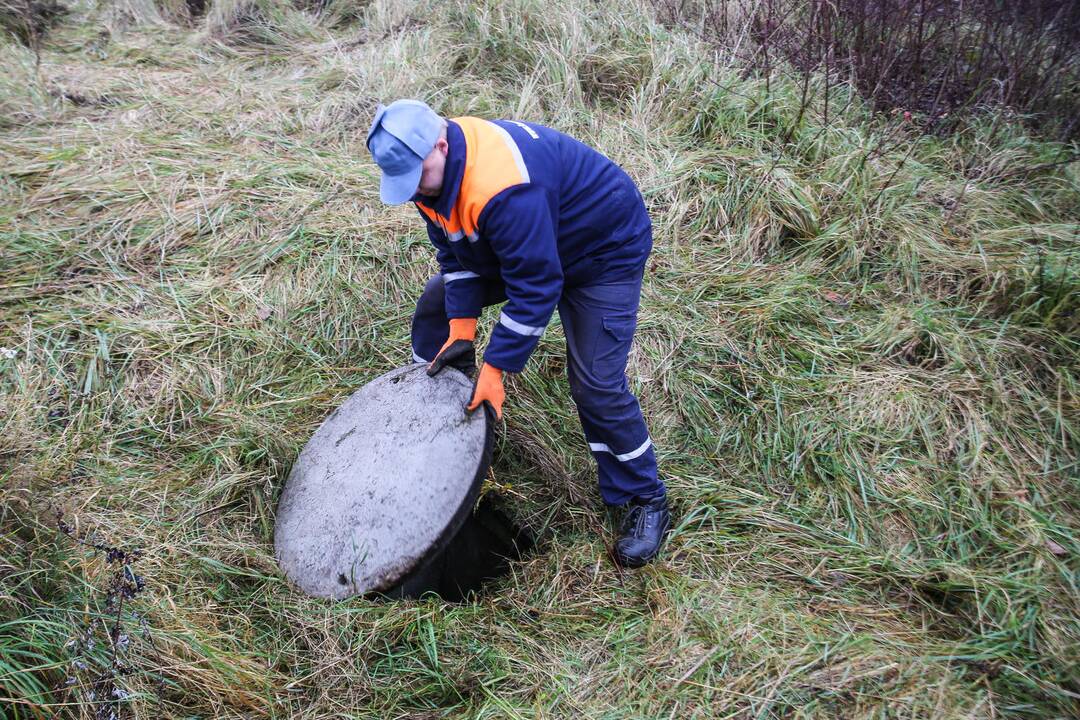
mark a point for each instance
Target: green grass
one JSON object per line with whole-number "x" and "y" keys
{"x": 857, "y": 355}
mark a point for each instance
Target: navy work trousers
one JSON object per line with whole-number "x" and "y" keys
{"x": 599, "y": 321}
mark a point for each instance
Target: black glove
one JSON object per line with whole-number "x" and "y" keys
{"x": 460, "y": 354}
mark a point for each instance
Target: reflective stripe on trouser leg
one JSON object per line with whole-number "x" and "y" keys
{"x": 622, "y": 457}
{"x": 598, "y": 321}
{"x": 620, "y": 443}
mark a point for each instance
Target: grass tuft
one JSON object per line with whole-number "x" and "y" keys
{"x": 257, "y": 23}
{"x": 29, "y": 20}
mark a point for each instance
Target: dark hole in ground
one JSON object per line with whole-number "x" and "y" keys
{"x": 481, "y": 551}
{"x": 196, "y": 8}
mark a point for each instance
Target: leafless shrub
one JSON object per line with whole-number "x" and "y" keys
{"x": 931, "y": 58}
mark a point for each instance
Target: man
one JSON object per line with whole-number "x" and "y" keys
{"x": 523, "y": 214}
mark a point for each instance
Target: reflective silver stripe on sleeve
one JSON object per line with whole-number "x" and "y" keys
{"x": 520, "y": 328}
{"x": 526, "y": 128}
{"x": 625, "y": 457}
{"x": 416, "y": 358}
{"x": 514, "y": 151}
{"x": 473, "y": 237}
{"x": 455, "y": 236}
{"x": 461, "y": 275}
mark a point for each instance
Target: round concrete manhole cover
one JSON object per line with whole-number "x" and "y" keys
{"x": 384, "y": 483}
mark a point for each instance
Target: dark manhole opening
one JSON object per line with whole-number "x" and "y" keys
{"x": 481, "y": 551}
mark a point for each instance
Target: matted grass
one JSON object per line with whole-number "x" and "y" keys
{"x": 857, "y": 355}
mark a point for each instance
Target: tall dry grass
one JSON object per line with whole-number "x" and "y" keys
{"x": 857, "y": 354}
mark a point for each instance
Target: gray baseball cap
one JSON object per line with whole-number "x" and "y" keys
{"x": 401, "y": 136}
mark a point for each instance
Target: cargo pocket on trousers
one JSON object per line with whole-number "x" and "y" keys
{"x": 613, "y": 345}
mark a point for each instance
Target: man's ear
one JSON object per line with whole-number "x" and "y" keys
{"x": 442, "y": 145}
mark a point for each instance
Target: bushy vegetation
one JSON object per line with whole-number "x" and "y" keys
{"x": 939, "y": 59}
{"x": 857, "y": 353}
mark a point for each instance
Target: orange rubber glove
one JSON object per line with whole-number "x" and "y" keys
{"x": 462, "y": 355}
{"x": 489, "y": 389}
{"x": 460, "y": 329}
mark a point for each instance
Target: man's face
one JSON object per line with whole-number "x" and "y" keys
{"x": 431, "y": 178}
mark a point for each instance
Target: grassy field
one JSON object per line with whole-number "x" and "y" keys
{"x": 857, "y": 354}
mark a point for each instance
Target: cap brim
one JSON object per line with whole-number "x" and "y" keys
{"x": 396, "y": 189}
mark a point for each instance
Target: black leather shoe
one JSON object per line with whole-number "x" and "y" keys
{"x": 642, "y": 532}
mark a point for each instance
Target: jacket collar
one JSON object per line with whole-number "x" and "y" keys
{"x": 452, "y": 174}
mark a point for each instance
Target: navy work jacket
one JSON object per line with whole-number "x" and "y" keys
{"x": 537, "y": 210}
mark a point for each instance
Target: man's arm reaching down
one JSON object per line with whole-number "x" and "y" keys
{"x": 518, "y": 225}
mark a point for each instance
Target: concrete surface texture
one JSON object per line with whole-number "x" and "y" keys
{"x": 383, "y": 482}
